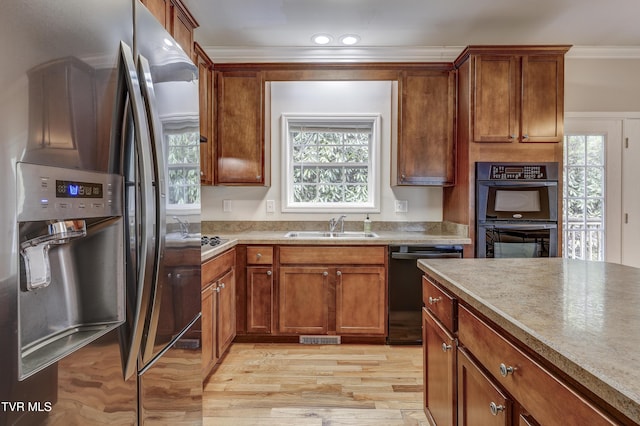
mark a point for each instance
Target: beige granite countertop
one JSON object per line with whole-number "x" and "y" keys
{"x": 583, "y": 317}
{"x": 384, "y": 238}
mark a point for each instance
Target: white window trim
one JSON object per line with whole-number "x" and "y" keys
{"x": 373, "y": 206}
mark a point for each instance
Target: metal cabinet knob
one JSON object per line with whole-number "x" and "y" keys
{"x": 269, "y": 273}
{"x": 259, "y": 256}
{"x": 221, "y": 285}
{"x": 434, "y": 300}
{"x": 445, "y": 347}
{"x": 512, "y": 136}
{"x": 217, "y": 289}
{"x": 495, "y": 408}
{"x": 505, "y": 371}
{"x": 325, "y": 274}
{"x": 258, "y": 177}
{"x": 525, "y": 136}
{"x": 339, "y": 273}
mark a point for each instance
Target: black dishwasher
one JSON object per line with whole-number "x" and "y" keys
{"x": 405, "y": 289}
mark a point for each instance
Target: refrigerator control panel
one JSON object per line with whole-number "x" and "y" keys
{"x": 45, "y": 193}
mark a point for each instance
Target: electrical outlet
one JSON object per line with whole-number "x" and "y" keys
{"x": 226, "y": 205}
{"x": 402, "y": 206}
{"x": 271, "y": 206}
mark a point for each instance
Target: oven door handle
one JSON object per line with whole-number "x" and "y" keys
{"x": 517, "y": 184}
{"x": 519, "y": 226}
{"x": 425, "y": 255}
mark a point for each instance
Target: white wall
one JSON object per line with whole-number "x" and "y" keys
{"x": 602, "y": 85}
{"x": 343, "y": 97}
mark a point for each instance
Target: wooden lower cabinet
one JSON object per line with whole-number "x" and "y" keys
{"x": 260, "y": 293}
{"x": 439, "y": 371}
{"x": 303, "y": 307}
{"x": 226, "y": 310}
{"x": 360, "y": 300}
{"x": 480, "y": 401}
{"x": 208, "y": 320}
{"x": 218, "y": 300}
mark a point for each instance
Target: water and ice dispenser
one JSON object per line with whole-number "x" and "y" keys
{"x": 71, "y": 261}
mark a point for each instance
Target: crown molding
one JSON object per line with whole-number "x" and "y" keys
{"x": 224, "y": 54}
{"x": 221, "y": 54}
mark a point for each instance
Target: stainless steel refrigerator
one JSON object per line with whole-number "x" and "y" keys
{"x": 99, "y": 219}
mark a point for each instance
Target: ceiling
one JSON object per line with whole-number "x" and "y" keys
{"x": 260, "y": 28}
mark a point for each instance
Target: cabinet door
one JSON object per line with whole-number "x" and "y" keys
{"x": 208, "y": 330}
{"x": 361, "y": 300}
{"x": 425, "y": 151}
{"x": 480, "y": 402}
{"x": 259, "y": 300}
{"x": 226, "y": 312}
{"x": 240, "y": 139}
{"x": 182, "y": 27}
{"x": 542, "y": 98}
{"x": 496, "y": 99}
{"x": 205, "y": 92}
{"x": 303, "y": 297}
{"x": 160, "y": 9}
{"x": 439, "y": 371}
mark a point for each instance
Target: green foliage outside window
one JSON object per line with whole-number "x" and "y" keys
{"x": 330, "y": 163}
{"x": 183, "y": 161}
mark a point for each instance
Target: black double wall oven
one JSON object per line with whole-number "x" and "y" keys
{"x": 516, "y": 210}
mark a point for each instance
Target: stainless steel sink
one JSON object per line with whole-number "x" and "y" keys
{"x": 321, "y": 234}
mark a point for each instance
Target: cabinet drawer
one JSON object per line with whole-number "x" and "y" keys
{"x": 259, "y": 255}
{"x": 442, "y": 305}
{"x": 335, "y": 255}
{"x": 217, "y": 266}
{"x": 543, "y": 395}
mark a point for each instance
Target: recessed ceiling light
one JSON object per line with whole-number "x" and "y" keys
{"x": 349, "y": 39}
{"x": 321, "y": 39}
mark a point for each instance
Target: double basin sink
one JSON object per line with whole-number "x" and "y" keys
{"x": 325, "y": 235}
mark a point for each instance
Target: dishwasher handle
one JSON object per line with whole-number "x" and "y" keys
{"x": 426, "y": 255}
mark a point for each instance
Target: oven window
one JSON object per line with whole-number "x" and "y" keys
{"x": 511, "y": 243}
{"x": 517, "y": 201}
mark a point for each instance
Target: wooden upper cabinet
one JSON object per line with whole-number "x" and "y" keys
{"x": 160, "y": 9}
{"x": 542, "y": 98}
{"x": 175, "y": 18}
{"x": 425, "y": 151}
{"x": 518, "y": 98}
{"x": 496, "y": 109}
{"x": 240, "y": 147}
{"x": 205, "y": 81}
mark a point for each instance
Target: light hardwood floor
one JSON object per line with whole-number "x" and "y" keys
{"x": 291, "y": 384}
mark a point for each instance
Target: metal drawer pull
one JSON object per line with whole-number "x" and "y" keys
{"x": 445, "y": 347}
{"x": 504, "y": 370}
{"x": 217, "y": 289}
{"x": 434, "y": 300}
{"x": 325, "y": 273}
{"x": 269, "y": 273}
{"x": 495, "y": 408}
{"x": 259, "y": 255}
{"x": 338, "y": 273}
{"x": 221, "y": 285}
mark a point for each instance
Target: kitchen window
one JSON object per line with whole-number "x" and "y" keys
{"x": 183, "y": 167}
{"x": 331, "y": 162}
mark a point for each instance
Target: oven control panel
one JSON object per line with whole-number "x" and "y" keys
{"x": 518, "y": 172}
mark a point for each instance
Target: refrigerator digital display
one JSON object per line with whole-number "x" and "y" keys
{"x": 69, "y": 189}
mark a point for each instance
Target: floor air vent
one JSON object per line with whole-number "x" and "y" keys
{"x": 320, "y": 340}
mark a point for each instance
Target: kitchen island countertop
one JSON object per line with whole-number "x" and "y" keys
{"x": 384, "y": 238}
{"x": 582, "y": 317}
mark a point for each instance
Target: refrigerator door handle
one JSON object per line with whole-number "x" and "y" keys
{"x": 156, "y": 146}
{"x": 128, "y": 82}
